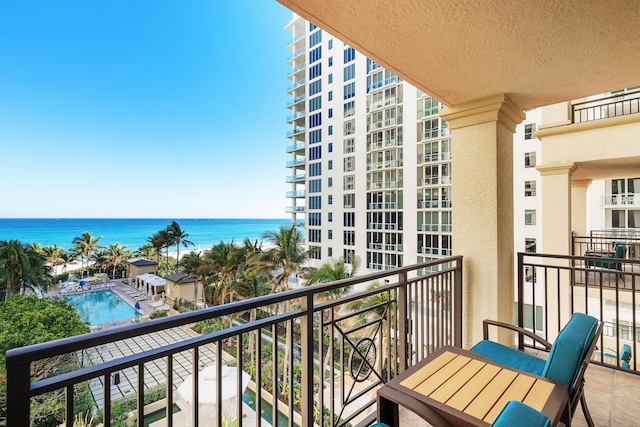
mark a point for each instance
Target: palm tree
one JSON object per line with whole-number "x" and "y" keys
{"x": 53, "y": 255}
{"x": 85, "y": 246}
{"x": 286, "y": 255}
{"x": 147, "y": 251}
{"x": 67, "y": 257}
{"x": 332, "y": 271}
{"x": 178, "y": 237}
{"x": 161, "y": 240}
{"x": 222, "y": 264}
{"x": 21, "y": 266}
{"x": 116, "y": 255}
{"x": 252, "y": 284}
{"x": 101, "y": 260}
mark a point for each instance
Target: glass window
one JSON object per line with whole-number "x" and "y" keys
{"x": 330, "y": 62}
{"x": 330, "y": 165}
{"x": 617, "y": 219}
{"x": 330, "y": 78}
{"x": 330, "y": 95}
{"x": 330, "y": 148}
{"x": 330, "y": 130}
{"x": 529, "y": 188}
{"x": 530, "y": 160}
{"x": 331, "y": 44}
{"x": 633, "y": 219}
{"x": 530, "y": 217}
{"x": 529, "y": 129}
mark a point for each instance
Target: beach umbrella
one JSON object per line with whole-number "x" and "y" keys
{"x": 208, "y": 389}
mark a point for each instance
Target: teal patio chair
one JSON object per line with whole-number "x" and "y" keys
{"x": 568, "y": 358}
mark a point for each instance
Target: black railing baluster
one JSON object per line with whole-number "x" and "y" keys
{"x": 169, "y": 404}
{"x": 69, "y": 405}
{"x": 140, "y": 394}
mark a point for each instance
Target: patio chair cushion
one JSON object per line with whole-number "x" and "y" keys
{"x": 570, "y": 347}
{"x": 625, "y": 354}
{"x": 510, "y": 356}
{"x": 516, "y": 413}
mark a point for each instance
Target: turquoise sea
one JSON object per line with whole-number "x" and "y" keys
{"x": 133, "y": 232}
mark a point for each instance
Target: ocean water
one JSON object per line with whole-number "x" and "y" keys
{"x": 133, "y": 232}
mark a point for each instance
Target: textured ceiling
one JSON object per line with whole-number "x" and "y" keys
{"x": 537, "y": 52}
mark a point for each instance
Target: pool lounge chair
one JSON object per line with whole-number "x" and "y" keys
{"x": 567, "y": 362}
{"x": 164, "y": 307}
{"x": 159, "y": 303}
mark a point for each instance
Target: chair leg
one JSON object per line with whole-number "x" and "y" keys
{"x": 585, "y": 411}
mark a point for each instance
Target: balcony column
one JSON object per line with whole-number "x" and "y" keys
{"x": 556, "y": 213}
{"x": 579, "y": 206}
{"x": 482, "y": 200}
{"x": 556, "y": 239}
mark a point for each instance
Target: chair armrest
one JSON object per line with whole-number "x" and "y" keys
{"x": 487, "y": 322}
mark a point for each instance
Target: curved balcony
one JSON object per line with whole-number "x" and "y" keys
{"x": 296, "y": 178}
{"x": 295, "y": 209}
{"x": 295, "y": 100}
{"x": 296, "y": 194}
{"x": 295, "y": 131}
{"x": 296, "y": 162}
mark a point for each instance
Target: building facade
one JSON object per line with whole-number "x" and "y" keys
{"x": 370, "y": 167}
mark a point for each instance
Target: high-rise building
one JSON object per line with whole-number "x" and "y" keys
{"x": 370, "y": 157}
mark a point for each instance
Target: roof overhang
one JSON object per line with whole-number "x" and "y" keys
{"x": 535, "y": 52}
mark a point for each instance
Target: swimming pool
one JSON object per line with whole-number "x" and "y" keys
{"x": 101, "y": 307}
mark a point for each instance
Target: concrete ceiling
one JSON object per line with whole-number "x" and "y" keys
{"x": 536, "y": 52}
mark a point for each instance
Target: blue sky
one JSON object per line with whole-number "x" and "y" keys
{"x": 143, "y": 108}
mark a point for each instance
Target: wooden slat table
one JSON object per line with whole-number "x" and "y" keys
{"x": 457, "y": 387}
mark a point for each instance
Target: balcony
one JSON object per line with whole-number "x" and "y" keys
{"x": 298, "y": 115}
{"x": 295, "y": 209}
{"x": 296, "y": 85}
{"x": 361, "y": 339}
{"x": 296, "y": 38}
{"x": 296, "y": 131}
{"x": 296, "y": 178}
{"x": 296, "y": 162}
{"x": 296, "y": 147}
{"x": 295, "y": 70}
{"x": 295, "y": 54}
{"x": 295, "y": 100}
{"x": 610, "y": 106}
{"x": 621, "y": 200}
{"x": 295, "y": 194}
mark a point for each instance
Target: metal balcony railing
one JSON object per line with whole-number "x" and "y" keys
{"x": 297, "y": 346}
{"x": 610, "y": 106}
{"x": 552, "y": 287}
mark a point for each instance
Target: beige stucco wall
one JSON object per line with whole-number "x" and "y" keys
{"x": 177, "y": 291}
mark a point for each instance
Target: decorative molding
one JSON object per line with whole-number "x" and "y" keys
{"x": 497, "y": 108}
{"x": 556, "y": 169}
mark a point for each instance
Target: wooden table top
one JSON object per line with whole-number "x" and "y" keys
{"x": 457, "y": 379}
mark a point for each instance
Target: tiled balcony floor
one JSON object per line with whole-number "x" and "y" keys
{"x": 613, "y": 398}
